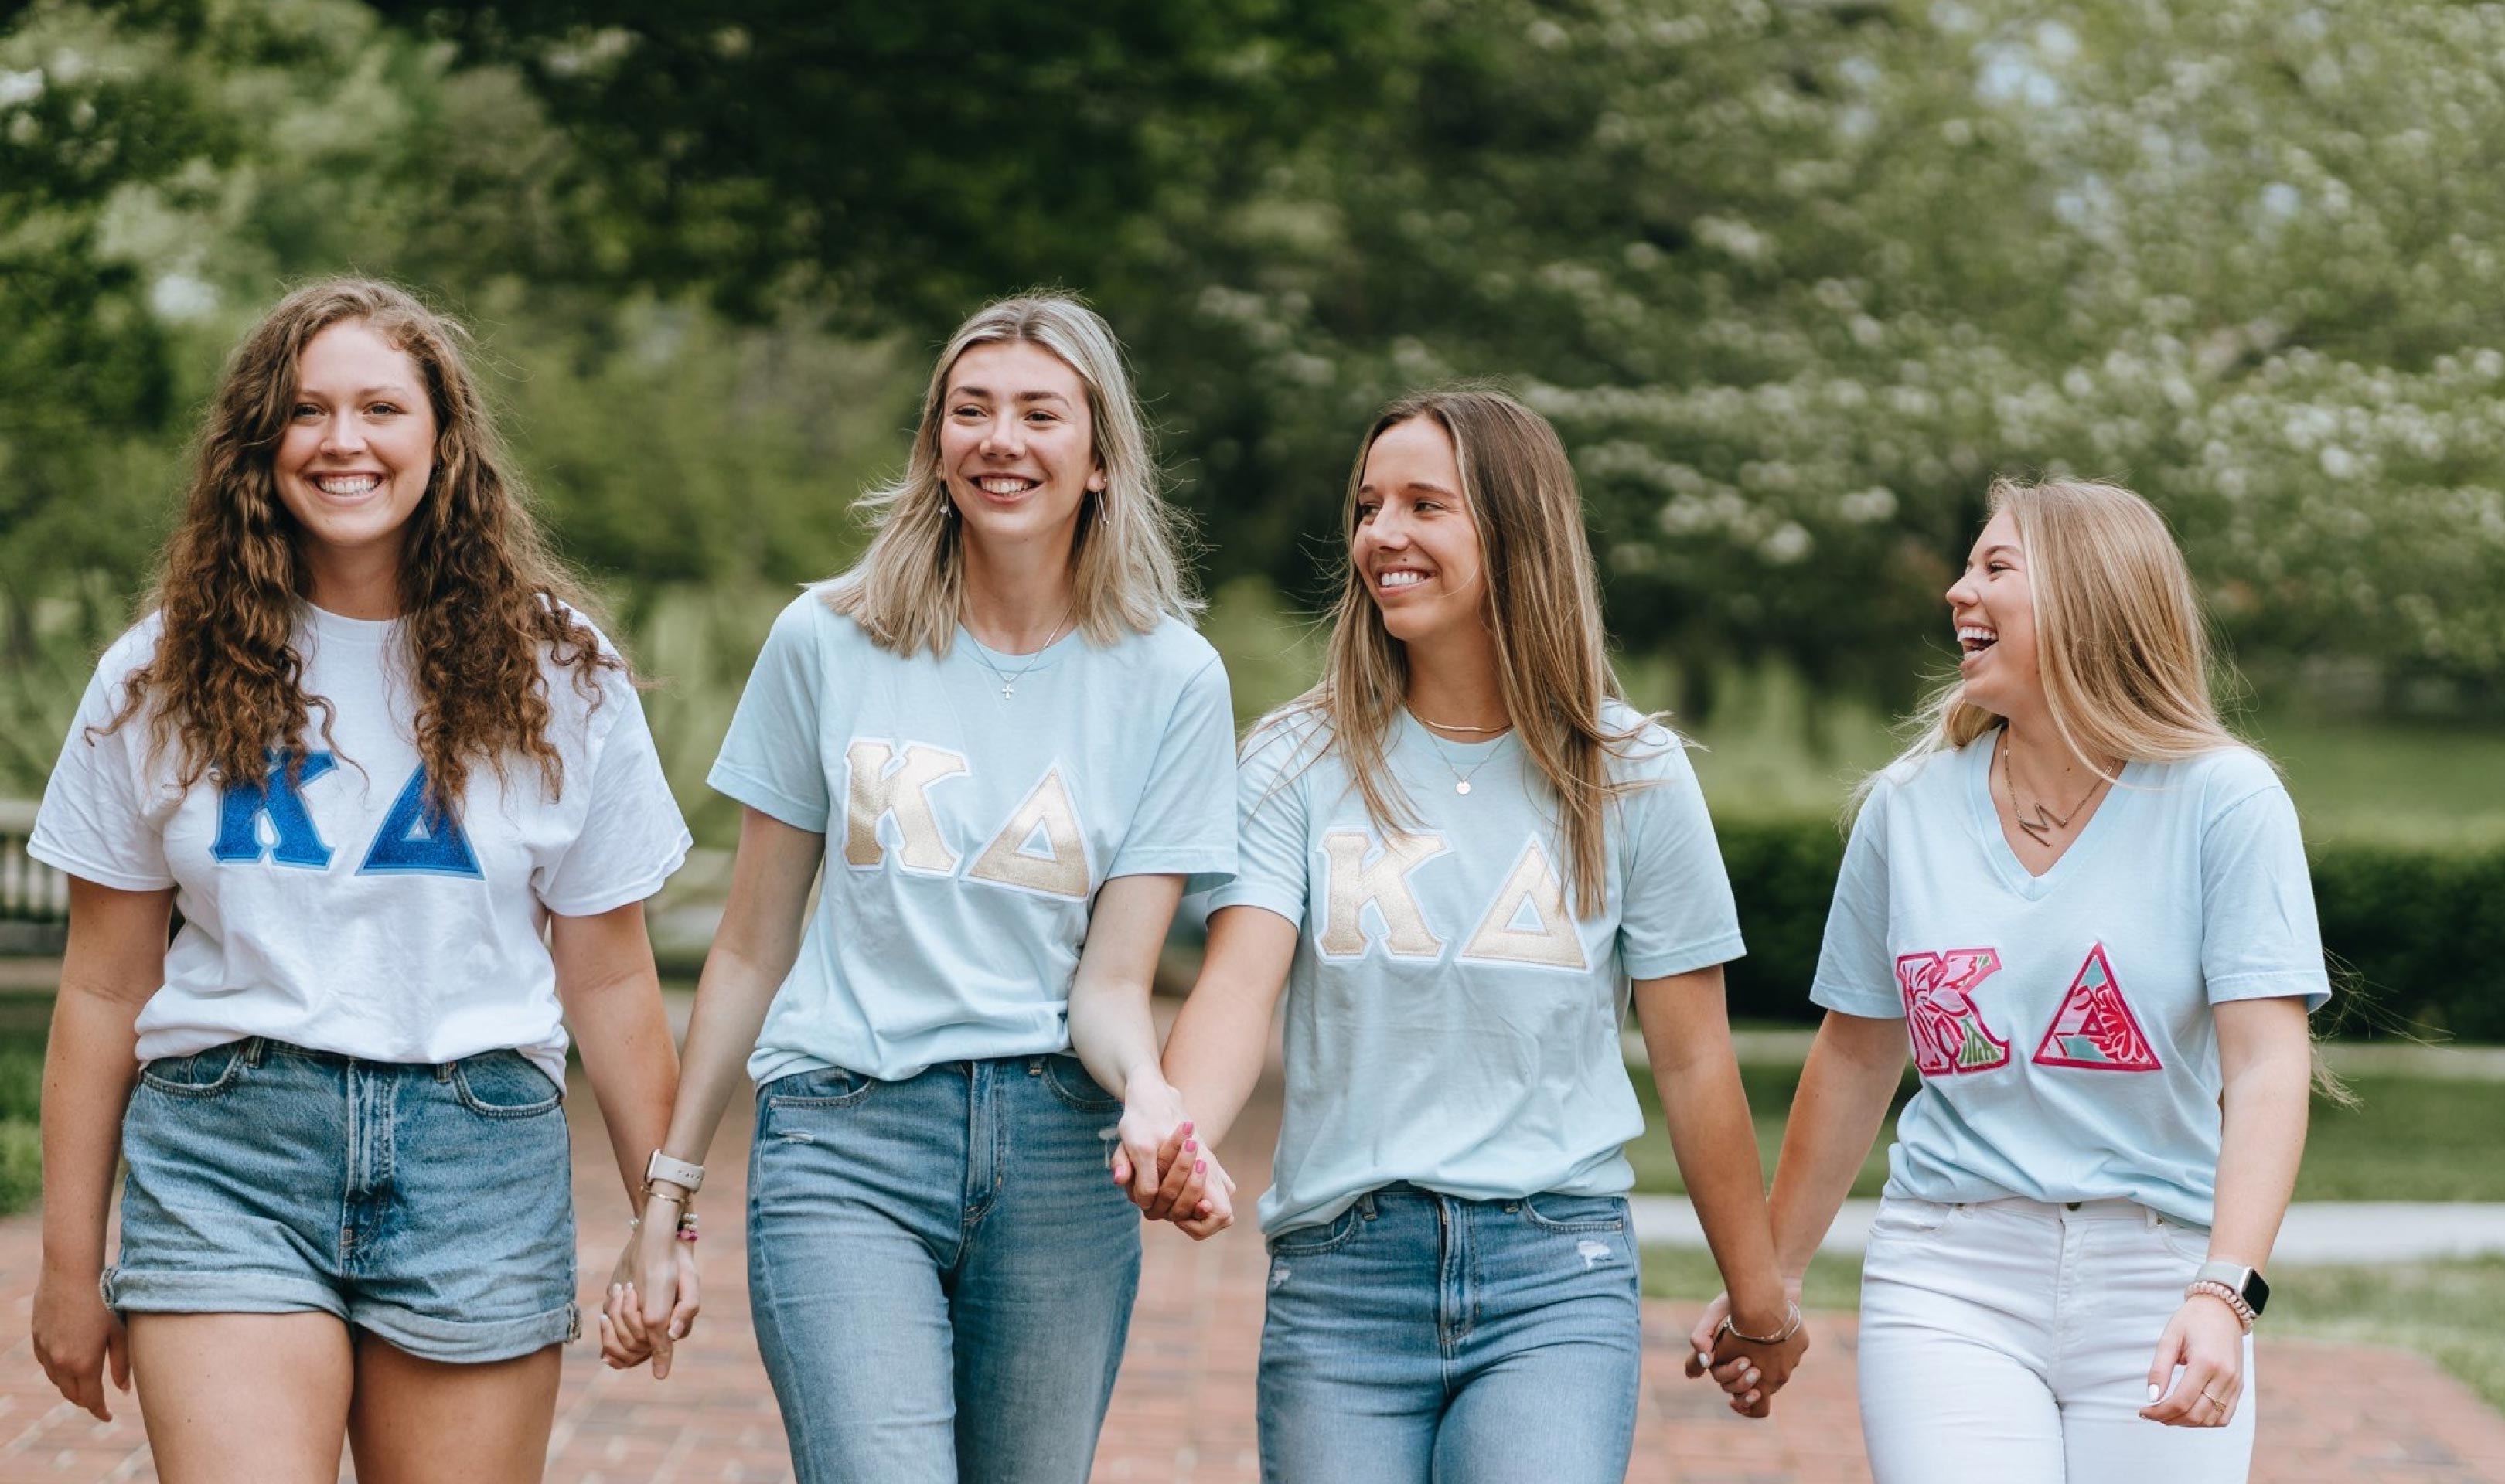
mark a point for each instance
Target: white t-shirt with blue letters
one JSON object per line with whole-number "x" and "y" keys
{"x": 967, "y": 832}
{"x": 329, "y": 906}
{"x": 1451, "y": 1023}
{"x": 2063, "y": 1024}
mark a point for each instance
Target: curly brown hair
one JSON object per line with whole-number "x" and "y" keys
{"x": 482, "y": 593}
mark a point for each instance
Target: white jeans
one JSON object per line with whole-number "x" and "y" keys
{"x": 2009, "y": 1341}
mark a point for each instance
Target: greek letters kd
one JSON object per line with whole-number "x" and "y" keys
{"x": 415, "y": 837}
{"x": 2093, "y": 1028}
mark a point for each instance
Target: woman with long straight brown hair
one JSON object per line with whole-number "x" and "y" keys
{"x": 348, "y": 1210}
{"x": 1456, "y": 851}
{"x": 2084, "y": 904}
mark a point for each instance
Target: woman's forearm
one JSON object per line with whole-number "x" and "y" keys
{"x": 114, "y": 960}
{"x": 2266, "y": 1058}
{"x": 1845, "y": 1088}
{"x": 1687, "y": 1040}
{"x": 1222, "y": 1040}
{"x": 89, "y": 1070}
{"x": 1111, "y": 1026}
{"x": 613, "y": 999}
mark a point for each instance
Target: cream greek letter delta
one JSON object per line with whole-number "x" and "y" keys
{"x": 1524, "y": 922}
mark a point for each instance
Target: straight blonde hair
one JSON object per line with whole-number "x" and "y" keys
{"x": 907, "y": 591}
{"x": 2119, "y": 637}
{"x": 1543, "y": 606}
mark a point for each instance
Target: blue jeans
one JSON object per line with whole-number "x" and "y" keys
{"x": 430, "y": 1205}
{"x": 942, "y": 1271}
{"x": 1421, "y": 1336}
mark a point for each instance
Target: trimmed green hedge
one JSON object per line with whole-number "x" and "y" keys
{"x": 2417, "y": 936}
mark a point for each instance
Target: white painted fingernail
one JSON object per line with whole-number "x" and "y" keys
{"x": 2155, "y": 1390}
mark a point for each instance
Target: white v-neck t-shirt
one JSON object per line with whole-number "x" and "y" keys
{"x": 2062, "y": 1023}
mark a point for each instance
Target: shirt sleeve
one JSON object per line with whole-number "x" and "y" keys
{"x": 1855, "y": 974}
{"x": 1273, "y": 850}
{"x": 2259, "y": 937}
{"x": 1678, "y": 914}
{"x": 94, "y": 822}
{"x": 632, "y": 836}
{"x": 770, "y": 759}
{"x": 1186, "y": 821}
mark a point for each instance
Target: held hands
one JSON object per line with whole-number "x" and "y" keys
{"x": 1162, "y": 1165}
{"x": 2206, "y": 1339}
{"x": 1751, "y": 1373}
{"x": 653, "y": 1293}
{"x": 78, "y": 1339}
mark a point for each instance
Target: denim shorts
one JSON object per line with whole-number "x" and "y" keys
{"x": 430, "y": 1204}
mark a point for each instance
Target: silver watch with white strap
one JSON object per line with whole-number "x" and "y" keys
{"x": 678, "y": 1172}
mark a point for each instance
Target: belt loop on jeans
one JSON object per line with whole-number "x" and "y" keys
{"x": 254, "y": 1048}
{"x": 1365, "y": 1206}
{"x": 1035, "y": 1066}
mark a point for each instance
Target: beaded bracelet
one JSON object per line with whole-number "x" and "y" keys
{"x": 1791, "y": 1326}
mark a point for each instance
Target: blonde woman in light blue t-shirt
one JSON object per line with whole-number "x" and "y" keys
{"x": 1456, "y": 855}
{"x": 2084, "y": 905}
{"x": 1001, "y": 747}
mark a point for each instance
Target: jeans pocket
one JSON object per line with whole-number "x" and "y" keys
{"x": 1066, "y": 1077}
{"x": 2190, "y": 1244}
{"x": 1322, "y": 1236}
{"x": 200, "y": 1075}
{"x": 826, "y": 1087}
{"x": 504, "y": 1085}
{"x": 1575, "y": 1213}
{"x": 1909, "y": 1215}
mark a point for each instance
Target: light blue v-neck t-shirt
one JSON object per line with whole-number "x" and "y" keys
{"x": 1450, "y": 1021}
{"x": 2062, "y": 1023}
{"x": 967, "y": 830}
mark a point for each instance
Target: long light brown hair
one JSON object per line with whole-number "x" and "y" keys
{"x": 909, "y": 588}
{"x": 482, "y": 596}
{"x": 1543, "y": 608}
{"x": 2118, "y": 639}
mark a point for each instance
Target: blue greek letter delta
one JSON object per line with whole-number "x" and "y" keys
{"x": 241, "y": 806}
{"x": 419, "y": 837}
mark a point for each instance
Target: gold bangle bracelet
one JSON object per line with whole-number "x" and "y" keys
{"x": 1791, "y": 1326}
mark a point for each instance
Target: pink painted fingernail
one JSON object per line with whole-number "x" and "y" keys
{"x": 1188, "y": 1145}
{"x": 1200, "y": 1166}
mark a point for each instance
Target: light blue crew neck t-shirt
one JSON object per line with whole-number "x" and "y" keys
{"x": 2063, "y": 1024}
{"x": 1450, "y": 1021}
{"x": 967, "y": 830}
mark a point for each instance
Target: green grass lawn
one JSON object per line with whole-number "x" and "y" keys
{"x": 22, "y": 1022}
{"x": 2408, "y": 1140}
{"x": 2445, "y": 1311}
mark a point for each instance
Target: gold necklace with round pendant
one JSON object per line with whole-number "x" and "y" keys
{"x": 1461, "y": 779}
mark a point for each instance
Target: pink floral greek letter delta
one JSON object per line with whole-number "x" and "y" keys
{"x": 2095, "y": 1027}
{"x": 1941, "y": 1018}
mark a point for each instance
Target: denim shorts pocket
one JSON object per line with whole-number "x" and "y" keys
{"x": 202, "y": 1073}
{"x": 1576, "y": 1213}
{"x": 504, "y": 1085}
{"x": 826, "y": 1087}
{"x": 1323, "y": 1237}
{"x": 1067, "y": 1080}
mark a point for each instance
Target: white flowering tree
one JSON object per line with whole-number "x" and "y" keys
{"x": 1796, "y": 279}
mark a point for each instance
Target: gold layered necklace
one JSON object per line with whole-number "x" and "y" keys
{"x": 2046, "y": 823}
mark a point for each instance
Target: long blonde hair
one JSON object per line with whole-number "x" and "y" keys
{"x": 2119, "y": 637}
{"x": 1543, "y": 606}
{"x": 908, "y": 588}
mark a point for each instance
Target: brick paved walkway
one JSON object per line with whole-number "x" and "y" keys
{"x": 1184, "y": 1407}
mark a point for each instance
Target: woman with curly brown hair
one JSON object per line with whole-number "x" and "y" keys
{"x": 347, "y": 1212}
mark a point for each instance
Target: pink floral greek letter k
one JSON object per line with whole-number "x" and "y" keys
{"x": 1941, "y": 1018}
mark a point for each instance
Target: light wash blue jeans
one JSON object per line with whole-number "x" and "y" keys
{"x": 942, "y": 1271}
{"x": 1421, "y": 1336}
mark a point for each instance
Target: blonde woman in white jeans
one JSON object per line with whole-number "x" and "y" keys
{"x": 2084, "y": 904}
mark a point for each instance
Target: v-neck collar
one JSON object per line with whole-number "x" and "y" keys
{"x": 2005, "y": 864}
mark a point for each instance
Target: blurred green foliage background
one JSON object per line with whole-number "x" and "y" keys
{"x": 1796, "y": 278}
